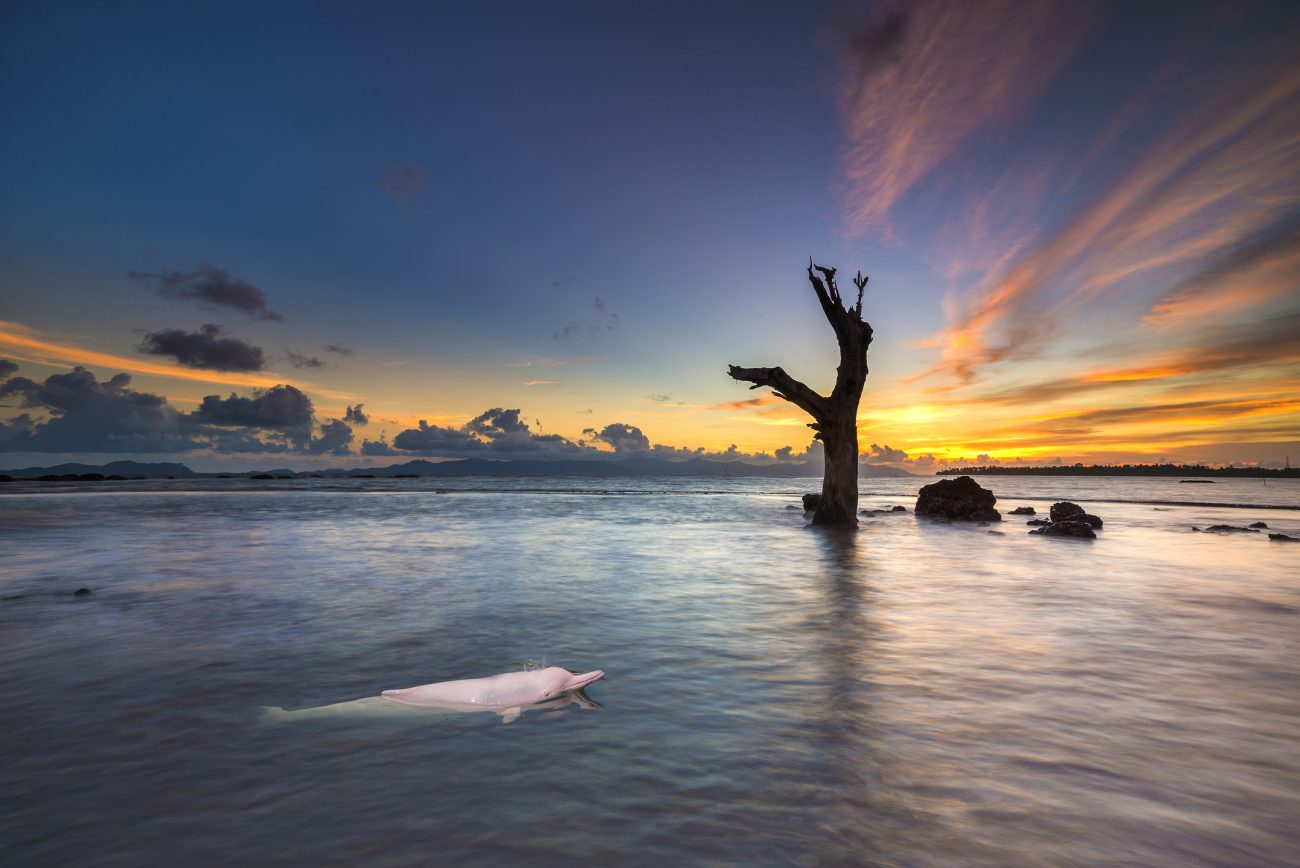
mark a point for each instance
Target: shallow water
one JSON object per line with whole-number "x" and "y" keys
{"x": 912, "y": 694}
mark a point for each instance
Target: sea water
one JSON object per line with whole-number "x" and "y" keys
{"x": 914, "y": 693}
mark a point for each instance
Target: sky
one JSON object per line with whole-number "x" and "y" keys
{"x": 310, "y": 234}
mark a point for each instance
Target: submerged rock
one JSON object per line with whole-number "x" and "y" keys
{"x": 1065, "y": 509}
{"x": 1068, "y": 528}
{"x": 1281, "y": 537}
{"x": 1228, "y": 528}
{"x": 1038, "y": 521}
{"x": 1257, "y": 525}
{"x": 962, "y": 498}
{"x": 1023, "y": 510}
{"x": 811, "y": 501}
{"x": 899, "y": 509}
{"x": 81, "y": 592}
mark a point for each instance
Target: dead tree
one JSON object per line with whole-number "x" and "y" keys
{"x": 835, "y": 417}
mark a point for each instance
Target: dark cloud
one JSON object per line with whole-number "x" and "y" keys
{"x": 298, "y": 360}
{"x": 403, "y": 181}
{"x": 7, "y": 368}
{"x": 434, "y": 439}
{"x": 886, "y": 453}
{"x": 280, "y": 407}
{"x": 340, "y": 349}
{"x": 205, "y": 349}
{"x": 660, "y": 398}
{"x": 356, "y": 416}
{"x": 624, "y": 438}
{"x": 335, "y": 437}
{"x": 86, "y": 415}
{"x": 562, "y": 282}
{"x": 377, "y": 447}
{"x": 586, "y": 412}
{"x": 567, "y": 331}
{"x": 211, "y": 287}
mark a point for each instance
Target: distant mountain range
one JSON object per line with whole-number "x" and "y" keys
{"x": 641, "y": 466}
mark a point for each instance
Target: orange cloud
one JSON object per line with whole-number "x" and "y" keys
{"x": 23, "y": 343}
{"x": 1225, "y": 177}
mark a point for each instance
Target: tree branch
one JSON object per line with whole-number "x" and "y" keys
{"x": 861, "y": 283}
{"x": 784, "y": 386}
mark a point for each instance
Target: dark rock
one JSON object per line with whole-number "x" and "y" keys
{"x": 1257, "y": 525}
{"x": 90, "y": 477}
{"x": 4, "y": 478}
{"x": 962, "y": 498}
{"x": 363, "y": 476}
{"x": 261, "y": 476}
{"x": 406, "y": 476}
{"x": 224, "y": 476}
{"x": 1068, "y": 528}
{"x": 1281, "y": 537}
{"x": 811, "y": 501}
{"x": 1064, "y": 509}
{"x": 1038, "y": 521}
{"x": 899, "y": 509}
{"x": 284, "y": 476}
{"x": 1227, "y": 528}
{"x": 1023, "y": 510}
{"x": 1087, "y": 518}
{"x": 792, "y": 506}
{"x": 81, "y": 592}
{"x": 115, "y": 478}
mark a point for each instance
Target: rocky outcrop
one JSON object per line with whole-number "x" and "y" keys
{"x": 1226, "y": 528}
{"x": 1023, "y": 510}
{"x": 1281, "y": 537}
{"x": 811, "y": 502}
{"x": 1087, "y": 518}
{"x": 962, "y": 499}
{"x": 1257, "y": 525}
{"x": 1064, "y": 510}
{"x": 1069, "y": 527}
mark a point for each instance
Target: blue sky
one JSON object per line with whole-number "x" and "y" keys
{"x": 452, "y": 192}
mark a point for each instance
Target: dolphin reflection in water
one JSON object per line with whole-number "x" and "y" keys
{"x": 508, "y": 695}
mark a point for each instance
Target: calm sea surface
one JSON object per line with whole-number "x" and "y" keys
{"x": 912, "y": 694}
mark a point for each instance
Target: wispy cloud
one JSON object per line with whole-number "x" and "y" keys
{"x": 1223, "y": 186}
{"x": 554, "y": 363}
{"x": 541, "y": 382}
{"x": 921, "y": 80}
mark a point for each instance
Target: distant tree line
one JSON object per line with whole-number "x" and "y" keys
{"x": 1123, "y": 470}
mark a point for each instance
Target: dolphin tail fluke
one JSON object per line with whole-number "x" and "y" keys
{"x": 272, "y": 714}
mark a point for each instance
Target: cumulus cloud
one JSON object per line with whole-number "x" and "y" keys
{"x": 356, "y": 416}
{"x": 211, "y": 287}
{"x": 205, "y": 349}
{"x": 83, "y": 414}
{"x": 335, "y": 437}
{"x": 281, "y": 407}
{"x": 624, "y": 438}
{"x": 886, "y": 454}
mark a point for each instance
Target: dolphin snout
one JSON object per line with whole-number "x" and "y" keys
{"x": 581, "y": 681}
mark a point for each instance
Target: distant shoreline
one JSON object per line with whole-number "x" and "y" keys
{"x": 1197, "y": 471}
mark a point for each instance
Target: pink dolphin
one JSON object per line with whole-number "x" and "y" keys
{"x": 508, "y": 695}
{"x": 509, "y": 690}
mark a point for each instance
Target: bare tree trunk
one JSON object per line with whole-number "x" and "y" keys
{"x": 835, "y": 417}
